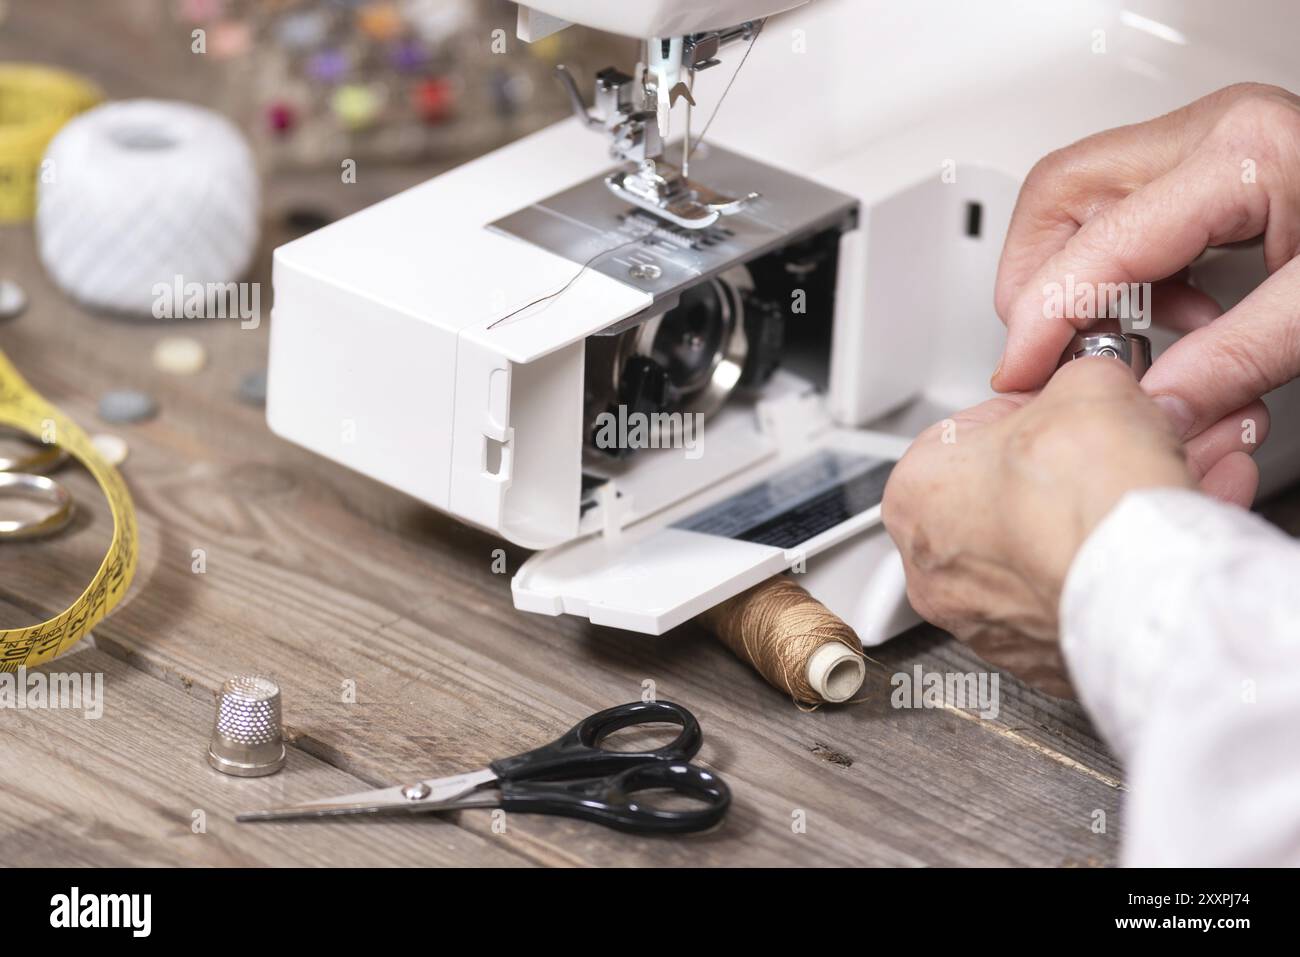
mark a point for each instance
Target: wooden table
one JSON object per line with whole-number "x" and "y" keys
{"x": 330, "y": 581}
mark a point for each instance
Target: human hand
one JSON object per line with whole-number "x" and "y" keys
{"x": 989, "y": 508}
{"x": 1139, "y": 204}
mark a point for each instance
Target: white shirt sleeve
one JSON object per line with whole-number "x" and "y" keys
{"x": 1180, "y": 624}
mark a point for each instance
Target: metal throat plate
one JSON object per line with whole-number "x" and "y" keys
{"x": 589, "y": 225}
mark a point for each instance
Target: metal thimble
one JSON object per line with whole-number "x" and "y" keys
{"x": 246, "y": 738}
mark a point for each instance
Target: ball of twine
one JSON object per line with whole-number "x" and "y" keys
{"x": 777, "y": 626}
{"x": 142, "y": 193}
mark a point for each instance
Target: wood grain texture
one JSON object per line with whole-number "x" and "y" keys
{"x": 131, "y": 788}
{"x": 331, "y": 581}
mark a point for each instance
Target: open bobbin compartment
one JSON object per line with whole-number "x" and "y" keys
{"x": 764, "y": 479}
{"x": 443, "y": 342}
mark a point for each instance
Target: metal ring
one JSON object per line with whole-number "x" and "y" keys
{"x": 46, "y": 459}
{"x": 21, "y": 484}
{"x": 1129, "y": 348}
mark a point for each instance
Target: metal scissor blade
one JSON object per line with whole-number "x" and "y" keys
{"x": 432, "y": 795}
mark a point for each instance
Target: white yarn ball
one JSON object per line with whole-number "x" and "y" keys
{"x": 137, "y": 192}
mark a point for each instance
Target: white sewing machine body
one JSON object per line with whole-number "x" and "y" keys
{"x": 895, "y": 137}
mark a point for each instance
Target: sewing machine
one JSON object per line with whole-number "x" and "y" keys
{"x": 675, "y": 370}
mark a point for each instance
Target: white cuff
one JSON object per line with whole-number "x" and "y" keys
{"x": 1131, "y": 595}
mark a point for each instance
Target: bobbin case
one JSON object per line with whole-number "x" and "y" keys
{"x": 1129, "y": 348}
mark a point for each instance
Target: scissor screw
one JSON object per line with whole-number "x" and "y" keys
{"x": 416, "y": 792}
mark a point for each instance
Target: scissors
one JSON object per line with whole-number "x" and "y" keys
{"x": 18, "y": 476}
{"x": 573, "y": 776}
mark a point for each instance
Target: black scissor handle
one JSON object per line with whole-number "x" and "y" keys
{"x": 612, "y": 800}
{"x": 578, "y": 754}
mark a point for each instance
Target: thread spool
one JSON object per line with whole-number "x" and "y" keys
{"x": 794, "y": 641}
{"x": 146, "y": 194}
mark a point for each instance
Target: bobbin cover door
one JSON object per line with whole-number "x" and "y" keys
{"x": 803, "y": 498}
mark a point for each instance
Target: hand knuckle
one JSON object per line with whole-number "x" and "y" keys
{"x": 895, "y": 511}
{"x": 1049, "y": 172}
{"x": 1263, "y": 124}
{"x": 1047, "y": 438}
{"x": 919, "y": 599}
{"x": 891, "y": 512}
{"x": 1246, "y": 89}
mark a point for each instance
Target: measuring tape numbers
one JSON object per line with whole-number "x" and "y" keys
{"x": 23, "y": 409}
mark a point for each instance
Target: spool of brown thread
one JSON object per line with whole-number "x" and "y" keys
{"x": 792, "y": 640}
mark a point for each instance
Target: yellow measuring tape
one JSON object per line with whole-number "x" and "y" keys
{"x": 35, "y": 101}
{"x": 23, "y": 409}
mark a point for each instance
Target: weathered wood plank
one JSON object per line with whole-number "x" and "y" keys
{"x": 471, "y": 679}
{"x": 448, "y": 681}
{"x": 124, "y": 789}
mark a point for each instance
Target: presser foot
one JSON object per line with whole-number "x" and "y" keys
{"x": 676, "y": 199}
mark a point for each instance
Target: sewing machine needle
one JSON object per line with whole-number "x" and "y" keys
{"x": 686, "y": 140}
